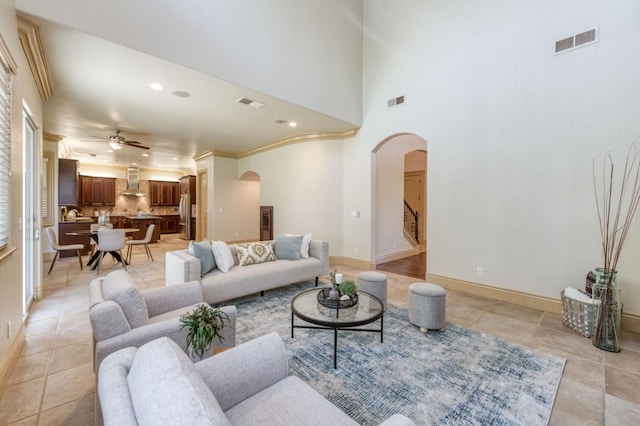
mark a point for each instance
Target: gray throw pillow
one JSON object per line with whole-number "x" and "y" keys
{"x": 202, "y": 251}
{"x": 288, "y": 247}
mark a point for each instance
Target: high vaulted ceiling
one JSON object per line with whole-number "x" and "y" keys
{"x": 99, "y": 85}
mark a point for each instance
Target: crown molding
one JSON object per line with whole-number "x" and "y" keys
{"x": 50, "y": 137}
{"x": 5, "y": 57}
{"x": 280, "y": 143}
{"x": 29, "y": 34}
{"x": 301, "y": 138}
{"x": 203, "y": 155}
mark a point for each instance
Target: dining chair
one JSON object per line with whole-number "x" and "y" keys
{"x": 111, "y": 241}
{"x": 94, "y": 227}
{"x": 144, "y": 242}
{"x": 53, "y": 242}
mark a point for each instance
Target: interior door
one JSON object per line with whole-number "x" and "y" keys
{"x": 266, "y": 223}
{"x": 31, "y": 184}
{"x": 414, "y": 195}
{"x": 201, "y": 206}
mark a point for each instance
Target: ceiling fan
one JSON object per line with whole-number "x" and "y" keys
{"x": 117, "y": 142}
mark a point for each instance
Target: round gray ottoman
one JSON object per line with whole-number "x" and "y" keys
{"x": 375, "y": 283}
{"x": 427, "y": 306}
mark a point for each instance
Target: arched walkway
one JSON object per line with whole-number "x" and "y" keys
{"x": 391, "y": 158}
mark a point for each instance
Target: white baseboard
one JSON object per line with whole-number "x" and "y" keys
{"x": 11, "y": 359}
{"x": 629, "y": 322}
{"x": 398, "y": 255}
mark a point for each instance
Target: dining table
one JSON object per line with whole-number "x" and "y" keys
{"x": 93, "y": 261}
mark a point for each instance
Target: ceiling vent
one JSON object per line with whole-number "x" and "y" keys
{"x": 394, "y": 102}
{"x": 251, "y": 102}
{"x": 578, "y": 40}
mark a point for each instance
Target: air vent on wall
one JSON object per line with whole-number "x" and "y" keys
{"x": 395, "y": 102}
{"x": 578, "y": 40}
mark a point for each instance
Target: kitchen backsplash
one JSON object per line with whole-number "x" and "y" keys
{"x": 128, "y": 205}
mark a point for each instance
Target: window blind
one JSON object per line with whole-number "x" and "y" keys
{"x": 5, "y": 152}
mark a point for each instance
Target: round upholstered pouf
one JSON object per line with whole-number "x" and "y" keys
{"x": 427, "y": 304}
{"x": 375, "y": 283}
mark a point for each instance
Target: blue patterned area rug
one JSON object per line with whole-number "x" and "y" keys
{"x": 460, "y": 376}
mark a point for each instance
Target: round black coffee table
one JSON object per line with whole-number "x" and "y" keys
{"x": 306, "y": 307}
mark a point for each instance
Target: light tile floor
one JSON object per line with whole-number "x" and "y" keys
{"x": 54, "y": 383}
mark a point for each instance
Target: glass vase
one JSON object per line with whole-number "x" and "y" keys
{"x": 606, "y": 333}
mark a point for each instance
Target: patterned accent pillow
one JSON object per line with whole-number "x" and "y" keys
{"x": 253, "y": 253}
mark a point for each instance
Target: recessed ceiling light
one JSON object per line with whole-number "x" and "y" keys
{"x": 180, "y": 93}
{"x": 156, "y": 86}
{"x": 145, "y": 154}
{"x": 175, "y": 158}
{"x": 292, "y": 124}
{"x": 134, "y": 164}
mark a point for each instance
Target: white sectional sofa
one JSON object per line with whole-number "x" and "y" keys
{"x": 250, "y": 384}
{"x": 218, "y": 286}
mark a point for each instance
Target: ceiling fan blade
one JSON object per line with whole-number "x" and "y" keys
{"x": 136, "y": 146}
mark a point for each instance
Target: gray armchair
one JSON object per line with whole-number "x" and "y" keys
{"x": 122, "y": 316}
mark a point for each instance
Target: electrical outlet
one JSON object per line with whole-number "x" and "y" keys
{"x": 480, "y": 271}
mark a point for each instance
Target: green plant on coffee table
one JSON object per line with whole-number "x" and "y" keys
{"x": 348, "y": 288}
{"x": 205, "y": 323}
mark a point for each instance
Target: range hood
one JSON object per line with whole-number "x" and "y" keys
{"x": 133, "y": 183}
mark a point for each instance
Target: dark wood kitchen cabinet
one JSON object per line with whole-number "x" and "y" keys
{"x": 97, "y": 191}
{"x": 164, "y": 193}
{"x": 170, "y": 224}
{"x": 104, "y": 191}
{"x": 67, "y": 182}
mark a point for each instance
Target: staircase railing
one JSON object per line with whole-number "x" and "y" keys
{"x": 411, "y": 221}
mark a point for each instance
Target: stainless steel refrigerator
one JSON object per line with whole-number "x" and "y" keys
{"x": 184, "y": 227}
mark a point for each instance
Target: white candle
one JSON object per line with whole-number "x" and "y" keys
{"x": 338, "y": 278}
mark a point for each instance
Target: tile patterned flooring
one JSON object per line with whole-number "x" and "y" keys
{"x": 54, "y": 384}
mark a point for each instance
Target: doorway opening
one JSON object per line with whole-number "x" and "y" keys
{"x": 400, "y": 203}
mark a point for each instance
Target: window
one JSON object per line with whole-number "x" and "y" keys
{"x": 7, "y": 69}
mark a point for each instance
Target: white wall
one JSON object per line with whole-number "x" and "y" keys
{"x": 320, "y": 70}
{"x": 512, "y": 129}
{"x": 236, "y": 205}
{"x": 303, "y": 182}
{"x": 23, "y": 89}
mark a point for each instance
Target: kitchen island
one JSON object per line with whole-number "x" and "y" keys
{"x": 142, "y": 223}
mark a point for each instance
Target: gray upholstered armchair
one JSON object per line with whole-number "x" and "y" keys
{"x": 122, "y": 316}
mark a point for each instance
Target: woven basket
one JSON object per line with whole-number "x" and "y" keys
{"x": 578, "y": 316}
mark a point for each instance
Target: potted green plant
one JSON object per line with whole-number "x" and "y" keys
{"x": 205, "y": 323}
{"x": 348, "y": 288}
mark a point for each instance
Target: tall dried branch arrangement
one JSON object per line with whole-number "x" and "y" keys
{"x": 617, "y": 200}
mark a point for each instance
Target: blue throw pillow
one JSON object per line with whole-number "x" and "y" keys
{"x": 288, "y": 247}
{"x": 202, "y": 251}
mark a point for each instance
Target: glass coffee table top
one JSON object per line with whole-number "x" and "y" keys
{"x": 306, "y": 307}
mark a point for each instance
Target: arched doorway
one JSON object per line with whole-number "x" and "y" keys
{"x": 394, "y": 159}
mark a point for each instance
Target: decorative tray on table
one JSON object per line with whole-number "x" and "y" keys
{"x": 323, "y": 299}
